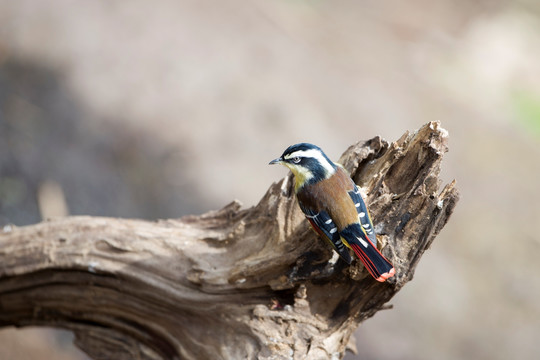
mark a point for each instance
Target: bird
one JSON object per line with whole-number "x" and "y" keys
{"x": 333, "y": 205}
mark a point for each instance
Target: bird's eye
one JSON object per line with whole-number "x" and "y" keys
{"x": 296, "y": 160}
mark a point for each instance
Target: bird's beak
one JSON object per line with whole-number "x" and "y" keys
{"x": 275, "y": 161}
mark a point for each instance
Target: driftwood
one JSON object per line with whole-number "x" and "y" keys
{"x": 230, "y": 284}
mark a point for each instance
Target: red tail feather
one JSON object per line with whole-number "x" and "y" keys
{"x": 375, "y": 262}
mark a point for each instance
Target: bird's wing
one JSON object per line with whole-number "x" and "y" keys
{"x": 363, "y": 214}
{"x": 325, "y": 227}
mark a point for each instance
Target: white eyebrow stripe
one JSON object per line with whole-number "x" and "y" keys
{"x": 312, "y": 153}
{"x": 304, "y": 153}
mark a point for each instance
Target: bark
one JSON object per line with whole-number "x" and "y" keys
{"x": 230, "y": 284}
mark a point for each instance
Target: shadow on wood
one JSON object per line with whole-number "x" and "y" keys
{"x": 230, "y": 284}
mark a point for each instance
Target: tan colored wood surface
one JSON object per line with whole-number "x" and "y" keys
{"x": 230, "y": 284}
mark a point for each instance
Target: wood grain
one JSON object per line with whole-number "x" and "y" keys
{"x": 230, "y": 284}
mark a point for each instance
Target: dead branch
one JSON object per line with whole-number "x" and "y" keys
{"x": 230, "y": 284}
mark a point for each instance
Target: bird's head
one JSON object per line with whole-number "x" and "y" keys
{"x": 308, "y": 163}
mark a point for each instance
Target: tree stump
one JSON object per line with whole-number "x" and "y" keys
{"x": 235, "y": 283}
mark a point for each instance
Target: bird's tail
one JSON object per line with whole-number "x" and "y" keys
{"x": 377, "y": 265}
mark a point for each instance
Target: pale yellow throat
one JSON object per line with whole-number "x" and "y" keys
{"x": 301, "y": 175}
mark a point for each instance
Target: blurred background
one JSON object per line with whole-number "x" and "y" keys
{"x": 155, "y": 110}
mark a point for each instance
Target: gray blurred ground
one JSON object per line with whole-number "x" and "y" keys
{"x": 153, "y": 110}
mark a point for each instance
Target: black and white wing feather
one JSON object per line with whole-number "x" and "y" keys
{"x": 324, "y": 225}
{"x": 363, "y": 214}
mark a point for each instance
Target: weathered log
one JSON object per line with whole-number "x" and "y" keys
{"x": 230, "y": 284}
